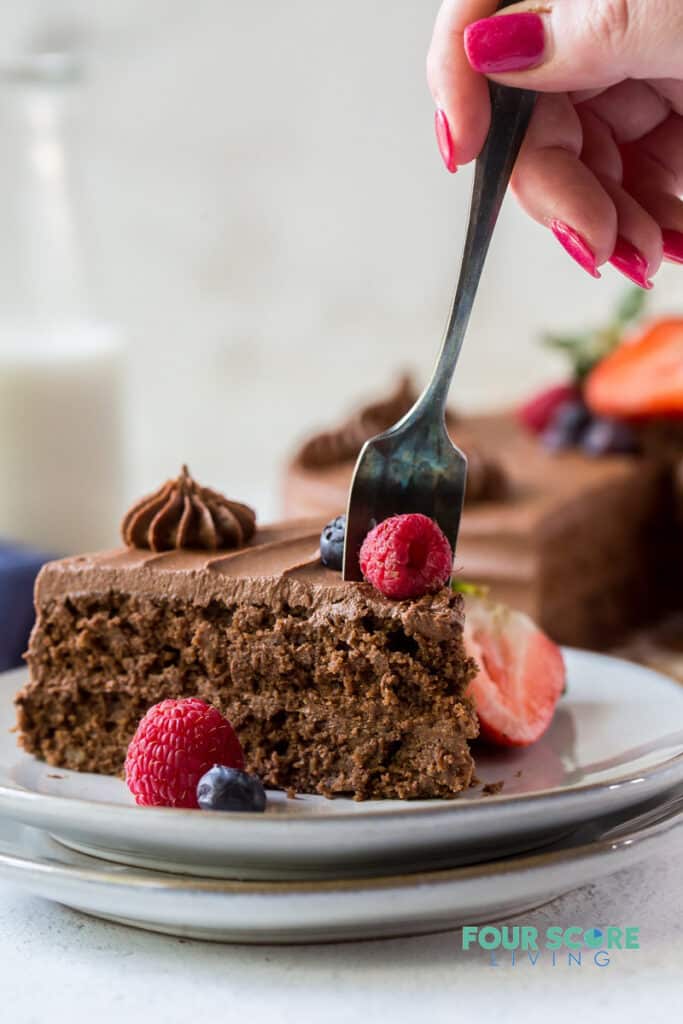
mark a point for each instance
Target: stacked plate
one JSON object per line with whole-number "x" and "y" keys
{"x": 594, "y": 795}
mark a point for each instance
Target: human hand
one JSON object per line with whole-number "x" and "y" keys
{"x": 602, "y": 163}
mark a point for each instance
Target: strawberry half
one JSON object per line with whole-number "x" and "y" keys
{"x": 643, "y": 377}
{"x": 521, "y": 673}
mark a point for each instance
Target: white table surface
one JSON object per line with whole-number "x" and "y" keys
{"x": 57, "y": 965}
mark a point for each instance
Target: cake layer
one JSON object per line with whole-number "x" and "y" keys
{"x": 587, "y": 547}
{"x": 331, "y": 686}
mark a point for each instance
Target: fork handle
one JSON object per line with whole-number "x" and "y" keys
{"x": 511, "y": 111}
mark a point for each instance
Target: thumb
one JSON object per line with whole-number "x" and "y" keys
{"x": 568, "y": 45}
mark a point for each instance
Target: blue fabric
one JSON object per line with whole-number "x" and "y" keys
{"x": 19, "y": 567}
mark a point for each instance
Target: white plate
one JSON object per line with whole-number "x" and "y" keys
{"x": 611, "y": 746}
{"x": 319, "y": 911}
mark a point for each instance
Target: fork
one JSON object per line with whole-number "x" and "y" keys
{"x": 414, "y": 466}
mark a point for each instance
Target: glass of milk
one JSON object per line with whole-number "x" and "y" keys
{"x": 61, "y": 436}
{"x": 61, "y": 372}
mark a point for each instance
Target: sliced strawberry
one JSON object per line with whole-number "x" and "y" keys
{"x": 643, "y": 377}
{"x": 537, "y": 412}
{"x": 521, "y": 673}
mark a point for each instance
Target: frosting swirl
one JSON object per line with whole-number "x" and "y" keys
{"x": 344, "y": 442}
{"x": 183, "y": 514}
{"x": 486, "y": 478}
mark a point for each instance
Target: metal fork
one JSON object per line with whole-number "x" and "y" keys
{"x": 414, "y": 466}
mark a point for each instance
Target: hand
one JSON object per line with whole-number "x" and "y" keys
{"x": 602, "y": 164}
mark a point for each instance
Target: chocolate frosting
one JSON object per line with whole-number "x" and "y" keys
{"x": 280, "y": 567}
{"x": 183, "y": 514}
{"x": 486, "y": 478}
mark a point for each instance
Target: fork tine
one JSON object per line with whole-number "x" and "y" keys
{"x": 411, "y": 468}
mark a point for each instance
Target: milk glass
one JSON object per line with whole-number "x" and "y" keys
{"x": 61, "y": 372}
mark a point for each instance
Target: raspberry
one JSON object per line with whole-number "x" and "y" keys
{"x": 406, "y": 556}
{"x": 537, "y": 413}
{"x": 175, "y": 743}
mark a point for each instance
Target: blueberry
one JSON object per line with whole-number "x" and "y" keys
{"x": 567, "y": 426}
{"x": 609, "y": 437}
{"x": 227, "y": 789}
{"x": 332, "y": 543}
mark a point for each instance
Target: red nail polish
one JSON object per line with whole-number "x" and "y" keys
{"x": 579, "y": 250}
{"x": 673, "y": 245}
{"x": 509, "y": 42}
{"x": 445, "y": 140}
{"x": 630, "y": 262}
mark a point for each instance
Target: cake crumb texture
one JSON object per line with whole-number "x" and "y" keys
{"x": 335, "y": 703}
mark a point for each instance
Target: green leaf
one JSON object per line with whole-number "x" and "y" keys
{"x": 567, "y": 342}
{"x": 474, "y": 589}
{"x": 631, "y": 305}
{"x": 586, "y": 350}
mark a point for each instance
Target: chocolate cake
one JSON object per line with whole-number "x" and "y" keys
{"x": 332, "y": 687}
{"x": 587, "y": 547}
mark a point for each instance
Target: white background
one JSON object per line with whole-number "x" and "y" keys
{"x": 266, "y": 215}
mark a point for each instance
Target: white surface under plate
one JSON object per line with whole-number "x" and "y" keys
{"x": 321, "y": 911}
{"x": 611, "y": 747}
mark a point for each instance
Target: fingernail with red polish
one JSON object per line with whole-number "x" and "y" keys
{"x": 579, "y": 250}
{"x": 509, "y": 42}
{"x": 445, "y": 140}
{"x": 630, "y": 262}
{"x": 673, "y": 245}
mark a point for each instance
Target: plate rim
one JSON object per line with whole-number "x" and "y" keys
{"x": 150, "y": 880}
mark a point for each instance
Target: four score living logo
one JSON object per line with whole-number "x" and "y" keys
{"x": 522, "y": 945}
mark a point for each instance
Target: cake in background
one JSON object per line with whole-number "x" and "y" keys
{"x": 570, "y": 515}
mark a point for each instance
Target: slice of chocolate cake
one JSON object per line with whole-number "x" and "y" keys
{"x": 332, "y": 687}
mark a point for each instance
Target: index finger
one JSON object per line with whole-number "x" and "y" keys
{"x": 459, "y": 91}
